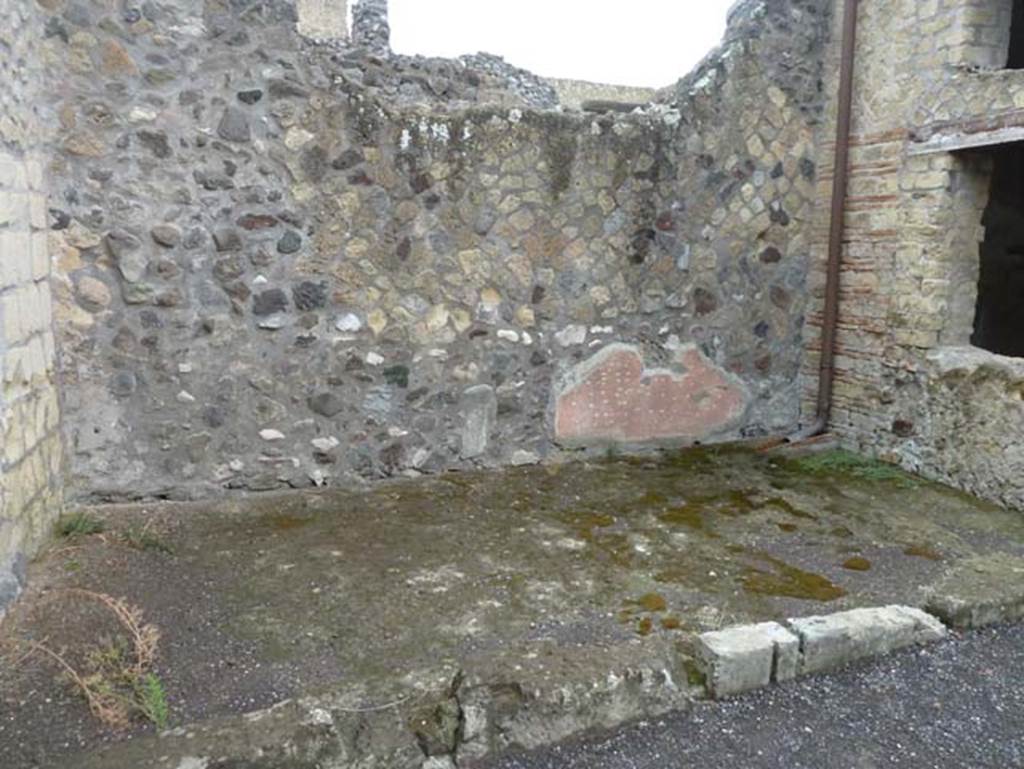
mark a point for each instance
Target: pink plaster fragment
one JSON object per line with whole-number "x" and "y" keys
{"x": 612, "y": 398}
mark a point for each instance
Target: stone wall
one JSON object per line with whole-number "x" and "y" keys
{"x": 283, "y": 263}
{"x": 30, "y": 442}
{"x": 573, "y": 93}
{"x": 908, "y": 387}
{"x": 323, "y": 19}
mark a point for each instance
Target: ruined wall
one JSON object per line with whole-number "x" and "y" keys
{"x": 323, "y": 19}
{"x": 573, "y": 93}
{"x": 30, "y": 444}
{"x": 908, "y": 386}
{"x": 284, "y": 264}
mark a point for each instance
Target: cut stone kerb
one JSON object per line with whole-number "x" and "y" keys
{"x": 832, "y": 641}
{"x": 612, "y": 398}
{"x": 747, "y": 657}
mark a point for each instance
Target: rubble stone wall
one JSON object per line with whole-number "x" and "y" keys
{"x": 323, "y": 19}
{"x": 286, "y": 263}
{"x": 30, "y": 441}
{"x": 908, "y": 386}
{"x": 573, "y": 93}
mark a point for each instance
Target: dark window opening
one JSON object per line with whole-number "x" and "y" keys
{"x": 999, "y": 320}
{"x": 1016, "y": 59}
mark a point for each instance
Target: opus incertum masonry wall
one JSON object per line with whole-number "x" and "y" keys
{"x": 283, "y": 262}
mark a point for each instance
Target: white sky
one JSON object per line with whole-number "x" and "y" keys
{"x": 628, "y": 42}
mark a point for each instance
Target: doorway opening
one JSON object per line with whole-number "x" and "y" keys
{"x": 1016, "y": 57}
{"x": 999, "y": 318}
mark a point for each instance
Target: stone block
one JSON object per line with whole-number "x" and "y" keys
{"x": 980, "y": 591}
{"x": 323, "y": 19}
{"x": 479, "y": 413}
{"x": 747, "y": 657}
{"x": 832, "y": 641}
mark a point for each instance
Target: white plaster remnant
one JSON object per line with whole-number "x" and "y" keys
{"x": 571, "y": 335}
{"x": 141, "y": 115}
{"x": 522, "y": 457}
{"x": 325, "y": 444}
{"x": 193, "y": 762}
{"x": 271, "y": 435}
{"x": 348, "y": 323}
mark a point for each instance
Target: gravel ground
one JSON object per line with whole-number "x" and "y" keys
{"x": 955, "y": 704}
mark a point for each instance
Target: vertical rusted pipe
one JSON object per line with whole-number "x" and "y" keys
{"x": 840, "y": 181}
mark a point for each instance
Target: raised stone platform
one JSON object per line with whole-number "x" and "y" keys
{"x": 440, "y": 620}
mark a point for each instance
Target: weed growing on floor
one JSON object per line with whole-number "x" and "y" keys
{"x": 115, "y": 673}
{"x": 141, "y": 538}
{"x": 152, "y": 700}
{"x": 79, "y": 525}
{"x": 843, "y": 462}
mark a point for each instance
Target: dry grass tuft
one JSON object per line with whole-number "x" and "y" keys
{"x": 115, "y": 676}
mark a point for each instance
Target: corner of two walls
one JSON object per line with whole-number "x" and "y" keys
{"x": 908, "y": 386}
{"x": 272, "y": 271}
{"x": 31, "y": 456}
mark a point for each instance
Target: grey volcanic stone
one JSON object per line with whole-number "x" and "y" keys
{"x": 309, "y": 296}
{"x": 227, "y": 239}
{"x": 126, "y": 249}
{"x": 156, "y": 142}
{"x": 167, "y": 235}
{"x": 326, "y": 404}
{"x": 289, "y": 243}
{"x": 234, "y": 126}
{"x": 269, "y": 302}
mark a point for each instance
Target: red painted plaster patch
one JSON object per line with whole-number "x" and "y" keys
{"x": 611, "y": 397}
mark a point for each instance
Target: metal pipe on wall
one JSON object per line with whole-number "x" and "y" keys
{"x": 840, "y": 183}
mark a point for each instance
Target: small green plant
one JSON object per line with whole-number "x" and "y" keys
{"x": 79, "y": 524}
{"x": 142, "y": 539}
{"x": 151, "y": 700}
{"x": 844, "y": 462}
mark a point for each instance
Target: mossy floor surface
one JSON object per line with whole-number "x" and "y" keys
{"x": 265, "y": 598}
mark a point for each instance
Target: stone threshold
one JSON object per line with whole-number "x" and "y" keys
{"x": 459, "y": 718}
